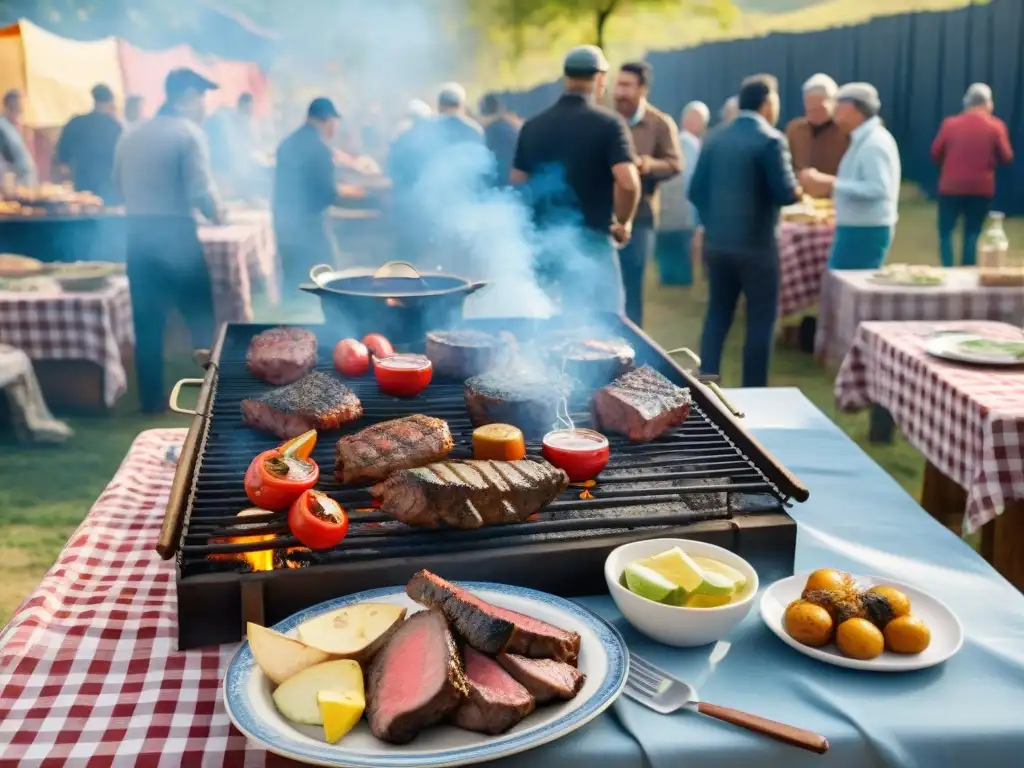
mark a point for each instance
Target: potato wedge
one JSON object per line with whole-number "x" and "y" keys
{"x": 279, "y": 656}
{"x": 297, "y": 698}
{"x": 354, "y": 632}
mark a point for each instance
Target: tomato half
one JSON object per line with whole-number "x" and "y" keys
{"x": 403, "y": 375}
{"x": 378, "y": 345}
{"x": 267, "y": 487}
{"x": 351, "y": 357}
{"x": 317, "y": 521}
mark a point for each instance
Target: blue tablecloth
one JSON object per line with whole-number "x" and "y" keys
{"x": 967, "y": 712}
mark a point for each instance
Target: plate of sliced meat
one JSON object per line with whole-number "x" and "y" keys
{"x": 473, "y": 672}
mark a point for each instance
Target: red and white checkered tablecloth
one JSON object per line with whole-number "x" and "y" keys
{"x": 89, "y": 674}
{"x": 56, "y": 325}
{"x": 852, "y": 297}
{"x": 239, "y": 256}
{"x": 968, "y": 421}
{"x": 803, "y": 254}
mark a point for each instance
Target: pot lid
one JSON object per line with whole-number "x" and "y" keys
{"x": 395, "y": 279}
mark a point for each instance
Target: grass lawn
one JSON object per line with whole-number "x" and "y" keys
{"x": 39, "y": 508}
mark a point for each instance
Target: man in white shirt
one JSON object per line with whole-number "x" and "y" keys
{"x": 866, "y": 188}
{"x": 14, "y": 155}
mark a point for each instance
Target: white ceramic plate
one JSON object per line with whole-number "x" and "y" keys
{"x": 604, "y": 659}
{"x": 947, "y": 632}
{"x": 949, "y": 347}
{"x": 904, "y": 282}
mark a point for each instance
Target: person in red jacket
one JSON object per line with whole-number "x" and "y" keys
{"x": 968, "y": 148}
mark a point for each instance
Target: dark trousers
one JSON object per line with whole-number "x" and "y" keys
{"x": 166, "y": 271}
{"x": 756, "y": 277}
{"x": 302, "y": 245}
{"x": 974, "y": 209}
{"x": 634, "y": 258}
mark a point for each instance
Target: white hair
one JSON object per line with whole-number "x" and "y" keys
{"x": 418, "y": 109}
{"x": 700, "y": 108}
{"x": 821, "y": 83}
{"x": 451, "y": 95}
{"x": 978, "y": 95}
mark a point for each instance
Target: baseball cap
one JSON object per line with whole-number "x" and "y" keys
{"x": 861, "y": 93}
{"x": 179, "y": 81}
{"x": 585, "y": 60}
{"x": 322, "y": 109}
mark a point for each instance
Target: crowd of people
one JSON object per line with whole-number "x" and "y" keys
{"x": 626, "y": 182}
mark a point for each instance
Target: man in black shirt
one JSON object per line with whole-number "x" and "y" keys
{"x": 501, "y": 133}
{"x": 85, "y": 150}
{"x": 577, "y": 162}
{"x": 304, "y": 188}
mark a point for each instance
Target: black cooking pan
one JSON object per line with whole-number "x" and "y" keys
{"x": 395, "y": 300}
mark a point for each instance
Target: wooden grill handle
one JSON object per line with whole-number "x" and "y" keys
{"x": 798, "y": 737}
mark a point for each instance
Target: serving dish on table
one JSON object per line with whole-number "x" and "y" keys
{"x": 909, "y": 276}
{"x": 946, "y": 632}
{"x": 603, "y": 659}
{"x": 975, "y": 349}
{"x": 85, "y": 276}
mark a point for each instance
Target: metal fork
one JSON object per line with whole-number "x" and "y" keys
{"x": 658, "y": 690}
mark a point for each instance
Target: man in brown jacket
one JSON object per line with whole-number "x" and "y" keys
{"x": 656, "y": 140}
{"x": 815, "y": 141}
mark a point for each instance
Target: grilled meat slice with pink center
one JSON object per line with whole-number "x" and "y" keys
{"x": 496, "y": 701}
{"x": 317, "y": 401}
{"x": 489, "y": 628}
{"x": 545, "y": 679}
{"x": 281, "y": 355}
{"x": 461, "y": 354}
{"x": 374, "y": 453}
{"x": 470, "y": 494}
{"x": 641, "y": 404}
{"x": 416, "y": 680}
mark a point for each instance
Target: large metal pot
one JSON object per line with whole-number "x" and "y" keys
{"x": 395, "y": 300}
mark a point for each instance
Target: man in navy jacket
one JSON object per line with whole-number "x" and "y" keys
{"x": 743, "y": 177}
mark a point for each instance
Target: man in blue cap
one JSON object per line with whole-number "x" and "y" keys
{"x": 304, "y": 188}
{"x": 162, "y": 170}
{"x": 577, "y": 162}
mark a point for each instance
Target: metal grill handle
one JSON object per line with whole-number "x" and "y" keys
{"x": 707, "y": 382}
{"x": 176, "y": 392}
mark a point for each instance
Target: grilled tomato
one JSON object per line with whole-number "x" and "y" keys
{"x": 317, "y": 520}
{"x": 277, "y": 477}
{"x": 351, "y": 357}
{"x": 499, "y": 442}
{"x": 378, "y": 345}
{"x": 403, "y": 375}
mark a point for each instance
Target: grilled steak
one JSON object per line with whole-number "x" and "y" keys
{"x": 461, "y": 354}
{"x": 496, "y": 701}
{"x": 545, "y": 679}
{"x": 281, "y": 355}
{"x": 375, "y": 452}
{"x": 470, "y": 494}
{"x": 316, "y": 401}
{"x": 641, "y": 404}
{"x": 593, "y": 362}
{"x": 528, "y": 400}
{"x": 416, "y": 680}
{"x": 490, "y": 629}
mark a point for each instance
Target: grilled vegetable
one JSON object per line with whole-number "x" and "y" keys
{"x": 277, "y": 477}
{"x": 500, "y": 442}
{"x": 351, "y": 358}
{"x": 317, "y": 521}
{"x": 378, "y": 345}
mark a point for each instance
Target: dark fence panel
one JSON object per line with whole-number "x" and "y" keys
{"x": 921, "y": 64}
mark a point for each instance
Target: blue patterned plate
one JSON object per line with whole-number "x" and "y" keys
{"x": 603, "y": 658}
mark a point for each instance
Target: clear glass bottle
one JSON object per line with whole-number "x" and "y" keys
{"x": 993, "y": 245}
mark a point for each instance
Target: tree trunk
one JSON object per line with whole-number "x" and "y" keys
{"x": 603, "y": 14}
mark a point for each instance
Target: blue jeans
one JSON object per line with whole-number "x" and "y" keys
{"x": 974, "y": 209}
{"x": 634, "y": 257}
{"x": 756, "y": 277}
{"x": 672, "y": 252}
{"x": 860, "y": 247}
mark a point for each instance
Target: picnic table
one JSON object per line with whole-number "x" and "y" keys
{"x": 804, "y": 249}
{"x": 89, "y": 674}
{"x": 241, "y": 257}
{"x": 852, "y": 297}
{"x": 79, "y": 343}
{"x": 967, "y": 421}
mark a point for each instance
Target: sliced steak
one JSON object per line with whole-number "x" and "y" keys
{"x": 641, "y": 404}
{"x": 592, "y": 362}
{"x": 281, "y": 355}
{"x": 375, "y": 452}
{"x": 470, "y": 494}
{"x": 416, "y": 680}
{"x": 529, "y": 401}
{"x": 461, "y": 354}
{"x": 496, "y": 701}
{"x": 545, "y": 679}
{"x": 490, "y": 629}
{"x": 317, "y": 401}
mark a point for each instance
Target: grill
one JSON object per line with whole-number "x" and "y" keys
{"x": 708, "y": 479}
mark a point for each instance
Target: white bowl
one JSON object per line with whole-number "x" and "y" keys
{"x": 668, "y": 624}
